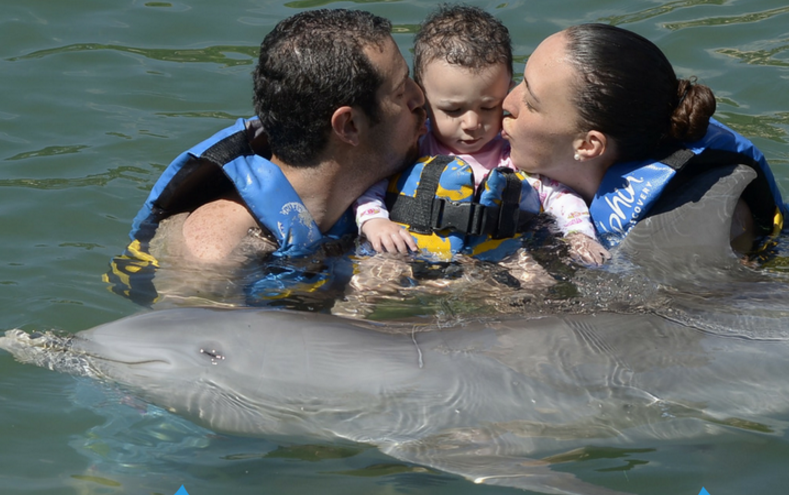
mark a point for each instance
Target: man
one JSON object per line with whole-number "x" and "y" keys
{"x": 337, "y": 112}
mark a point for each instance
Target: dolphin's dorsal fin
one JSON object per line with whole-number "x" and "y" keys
{"x": 690, "y": 232}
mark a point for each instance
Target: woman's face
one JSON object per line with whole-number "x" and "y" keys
{"x": 542, "y": 122}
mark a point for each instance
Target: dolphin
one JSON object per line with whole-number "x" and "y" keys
{"x": 480, "y": 399}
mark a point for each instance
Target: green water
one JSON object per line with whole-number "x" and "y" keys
{"x": 97, "y": 97}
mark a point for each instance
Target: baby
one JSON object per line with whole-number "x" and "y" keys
{"x": 463, "y": 63}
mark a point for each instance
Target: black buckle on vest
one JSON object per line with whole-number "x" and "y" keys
{"x": 462, "y": 217}
{"x": 473, "y": 219}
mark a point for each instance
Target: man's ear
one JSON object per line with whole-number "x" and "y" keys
{"x": 345, "y": 123}
{"x": 590, "y": 145}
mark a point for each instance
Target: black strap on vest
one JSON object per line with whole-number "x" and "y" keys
{"x": 228, "y": 149}
{"x": 509, "y": 216}
{"x": 421, "y": 210}
{"x": 426, "y": 213}
{"x": 678, "y": 158}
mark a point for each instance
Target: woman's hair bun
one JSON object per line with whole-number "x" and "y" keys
{"x": 695, "y": 105}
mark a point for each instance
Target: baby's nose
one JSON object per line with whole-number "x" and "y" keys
{"x": 470, "y": 121}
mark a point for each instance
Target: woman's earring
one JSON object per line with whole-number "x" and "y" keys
{"x": 577, "y": 157}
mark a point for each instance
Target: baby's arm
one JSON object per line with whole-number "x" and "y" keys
{"x": 372, "y": 218}
{"x": 573, "y": 219}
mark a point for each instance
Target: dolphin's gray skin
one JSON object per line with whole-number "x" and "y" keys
{"x": 475, "y": 400}
{"x": 692, "y": 232}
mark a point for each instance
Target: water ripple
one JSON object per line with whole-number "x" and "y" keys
{"x": 773, "y": 126}
{"x": 746, "y": 18}
{"x": 201, "y": 115}
{"x": 758, "y": 57}
{"x": 48, "y": 151}
{"x": 126, "y": 172}
{"x": 650, "y": 13}
{"x": 212, "y": 54}
{"x": 308, "y": 4}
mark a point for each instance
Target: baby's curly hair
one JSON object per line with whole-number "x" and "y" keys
{"x": 461, "y": 35}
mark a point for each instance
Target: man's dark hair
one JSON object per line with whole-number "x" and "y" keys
{"x": 461, "y": 35}
{"x": 311, "y": 64}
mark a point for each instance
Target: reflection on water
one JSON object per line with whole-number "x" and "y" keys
{"x": 745, "y": 300}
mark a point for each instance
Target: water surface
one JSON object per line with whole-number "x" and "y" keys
{"x": 97, "y": 97}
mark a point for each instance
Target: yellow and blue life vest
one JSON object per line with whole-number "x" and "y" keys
{"x": 436, "y": 200}
{"x": 629, "y": 190}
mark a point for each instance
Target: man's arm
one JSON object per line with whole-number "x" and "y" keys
{"x": 212, "y": 231}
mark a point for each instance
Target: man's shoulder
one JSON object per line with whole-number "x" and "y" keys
{"x": 215, "y": 229}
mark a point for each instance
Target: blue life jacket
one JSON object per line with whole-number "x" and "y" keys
{"x": 219, "y": 165}
{"x": 436, "y": 200}
{"x": 262, "y": 186}
{"x": 629, "y": 190}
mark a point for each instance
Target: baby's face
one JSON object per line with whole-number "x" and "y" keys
{"x": 465, "y": 105}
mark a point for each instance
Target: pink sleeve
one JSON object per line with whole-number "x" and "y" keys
{"x": 567, "y": 208}
{"x": 371, "y": 204}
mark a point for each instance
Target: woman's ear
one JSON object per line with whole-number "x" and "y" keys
{"x": 345, "y": 122}
{"x": 590, "y": 145}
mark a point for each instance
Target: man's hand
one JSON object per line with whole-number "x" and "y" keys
{"x": 388, "y": 237}
{"x": 586, "y": 250}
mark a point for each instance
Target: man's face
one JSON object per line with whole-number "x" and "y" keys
{"x": 464, "y": 104}
{"x": 394, "y": 140}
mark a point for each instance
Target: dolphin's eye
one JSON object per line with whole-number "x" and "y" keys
{"x": 213, "y": 353}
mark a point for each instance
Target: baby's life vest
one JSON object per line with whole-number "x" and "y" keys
{"x": 436, "y": 200}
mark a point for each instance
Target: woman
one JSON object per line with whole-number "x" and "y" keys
{"x": 601, "y": 110}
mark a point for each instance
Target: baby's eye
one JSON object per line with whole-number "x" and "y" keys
{"x": 452, "y": 111}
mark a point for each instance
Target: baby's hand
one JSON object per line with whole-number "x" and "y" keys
{"x": 586, "y": 250}
{"x": 388, "y": 237}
